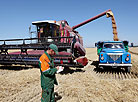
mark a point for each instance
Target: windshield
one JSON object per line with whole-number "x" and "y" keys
{"x": 113, "y": 45}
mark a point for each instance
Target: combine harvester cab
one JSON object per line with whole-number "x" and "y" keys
{"x": 28, "y": 51}
{"x": 114, "y": 54}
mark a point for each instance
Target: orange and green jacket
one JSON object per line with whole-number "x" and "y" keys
{"x": 48, "y": 71}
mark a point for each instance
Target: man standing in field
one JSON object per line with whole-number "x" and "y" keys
{"x": 48, "y": 71}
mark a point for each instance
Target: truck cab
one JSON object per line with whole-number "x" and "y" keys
{"x": 114, "y": 54}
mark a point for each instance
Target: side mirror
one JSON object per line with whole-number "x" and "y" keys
{"x": 95, "y": 44}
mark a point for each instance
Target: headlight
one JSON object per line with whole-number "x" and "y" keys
{"x": 102, "y": 58}
{"x": 127, "y": 58}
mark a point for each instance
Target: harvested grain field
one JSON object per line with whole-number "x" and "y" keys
{"x": 22, "y": 84}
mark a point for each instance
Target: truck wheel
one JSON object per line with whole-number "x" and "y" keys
{"x": 127, "y": 69}
{"x": 101, "y": 68}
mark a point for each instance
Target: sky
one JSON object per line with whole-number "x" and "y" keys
{"x": 17, "y": 15}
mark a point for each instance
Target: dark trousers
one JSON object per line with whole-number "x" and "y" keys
{"x": 48, "y": 95}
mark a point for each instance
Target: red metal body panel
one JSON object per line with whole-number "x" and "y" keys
{"x": 80, "y": 48}
{"x": 82, "y": 60}
{"x": 33, "y": 52}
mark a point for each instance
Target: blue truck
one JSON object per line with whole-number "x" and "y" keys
{"x": 114, "y": 54}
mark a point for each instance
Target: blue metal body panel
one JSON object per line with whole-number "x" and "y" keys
{"x": 114, "y": 55}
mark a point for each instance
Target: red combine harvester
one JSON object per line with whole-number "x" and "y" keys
{"x": 69, "y": 42}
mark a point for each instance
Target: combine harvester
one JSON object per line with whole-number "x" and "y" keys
{"x": 68, "y": 40}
